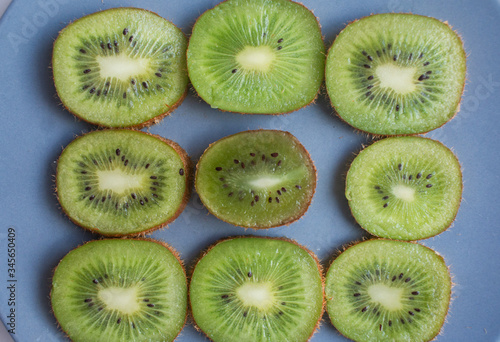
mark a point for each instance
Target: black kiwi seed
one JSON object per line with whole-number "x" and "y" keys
{"x": 224, "y": 296}
{"x": 419, "y": 175}
{"x": 158, "y": 74}
{"x": 125, "y": 31}
{"x": 270, "y": 200}
{"x": 181, "y": 172}
{"x": 428, "y": 186}
{"x": 298, "y": 187}
{"x": 218, "y": 168}
{"x": 151, "y": 305}
{"x": 234, "y": 71}
{"x": 119, "y": 321}
{"x": 280, "y": 47}
{"x": 245, "y": 314}
{"x": 95, "y": 281}
{"x": 83, "y": 51}
{"x": 280, "y": 40}
{"x": 274, "y": 155}
{"x": 249, "y": 274}
{"x": 277, "y": 200}
{"x": 88, "y": 300}
{"x": 429, "y": 176}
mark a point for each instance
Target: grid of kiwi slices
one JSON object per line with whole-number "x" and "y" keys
{"x": 251, "y": 288}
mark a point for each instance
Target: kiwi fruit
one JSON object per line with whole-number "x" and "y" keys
{"x": 387, "y": 290}
{"x": 120, "y": 290}
{"x": 257, "y": 56}
{"x": 121, "y": 182}
{"x": 121, "y": 67}
{"x": 257, "y": 289}
{"x": 394, "y": 74}
{"x": 404, "y": 188}
{"x": 256, "y": 179}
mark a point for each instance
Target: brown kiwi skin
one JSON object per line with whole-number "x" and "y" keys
{"x": 377, "y": 135}
{"x": 313, "y": 100}
{"x": 461, "y": 185}
{"x": 162, "y": 243}
{"x": 209, "y": 248}
{"x": 302, "y": 148}
{"x": 346, "y": 246}
{"x": 188, "y": 175}
{"x": 147, "y": 123}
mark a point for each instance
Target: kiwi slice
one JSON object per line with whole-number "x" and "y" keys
{"x": 256, "y": 179}
{"x": 121, "y": 67}
{"x": 393, "y": 74}
{"x": 257, "y": 289}
{"x": 405, "y": 188}
{"x": 386, "y": 290}
{"x": 257, "y": 56}
{"x": 120, "y": 182}
{"x": 120, "y": 290}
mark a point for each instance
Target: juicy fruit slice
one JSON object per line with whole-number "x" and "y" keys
{"x": 121, "y": 67}
{"x": 257, "y": 289}
{"x": 120, "y": 290}
{"x": 383, "y": 290}
{"x": 257, "y": 56}
{"x": 396, "y": 74}
{"x": 405, "y": 188}
{"x": 256, "y": 179}
{"x": 119, "y": 182}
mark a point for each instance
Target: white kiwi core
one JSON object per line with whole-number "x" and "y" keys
{"x": 389, "y": 297}
{"x": 400, "y": 79}
{"x": 256, "y": 58}
{"x": 122, "y": 299}
{"x": 122, "y": 67}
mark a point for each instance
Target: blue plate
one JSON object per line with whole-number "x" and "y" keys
{"x": 36, "y": 128}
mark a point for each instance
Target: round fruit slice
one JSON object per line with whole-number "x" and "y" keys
{"x": 257, "y": 289}
{"x": 257, "y": 56}
{"x": 384, "y": 290}
{"x": 120, "y": 67}
{"x": 394, "y": 74}
{"x": 119, "y": 182}
{"x": 256, "y": 179}
{"x": 120, "y": 290}
{"x": 405, "y": 188}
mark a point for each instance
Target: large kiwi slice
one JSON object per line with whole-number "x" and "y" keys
{"x": 119, "y": 182}
{"x": 257, "y": 56}
{"x": 386, "y": 290}
{"x": 395, "y": 74}
{"x": 405, "y": 188}
{"x": 120, "y": 67}
{"x": 256, "y": 179}
{"x": 120, "y": 290}
{"x": 257, "y": 289}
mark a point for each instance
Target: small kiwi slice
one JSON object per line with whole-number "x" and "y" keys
{"x": 257, "y": 289}
{"x": 121, "y": 67}
{"x": 404, "y": 188}
{"x": 393, "y": 74}
{"x": 257, "y": 56}
{"x": 120, "y": 290}
{"x": 386, "y": 290}
{"x": 256, "y": 179}
{"x": 120, "y": 182}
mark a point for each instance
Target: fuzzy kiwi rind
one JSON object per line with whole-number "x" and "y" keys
{"x": 148, "y": 106}
{"x": 344, "y": 95}
{"x": 376, "y": 332}
{"x": 221, "y": 211}
{"x": 284, "y": 239}
{"x": 371, "y": 196}
{"x": 113, "y": 230}
{"x": 170, "y": 249}
{"x": 219, "y": 98}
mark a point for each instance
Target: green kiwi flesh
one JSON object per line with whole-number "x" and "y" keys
{"x": 257, "y": 56}
{"x": 120, "y": 182}
{"x": 393, "y": 74}
{"x": 257, "y": 289}
{"x": 404, "y": 188}
{"x": 120, "y": 290}
{"x": 256, "y": 179}
{"x": 386, "y": 290}
{"x": 121, "y": 67}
